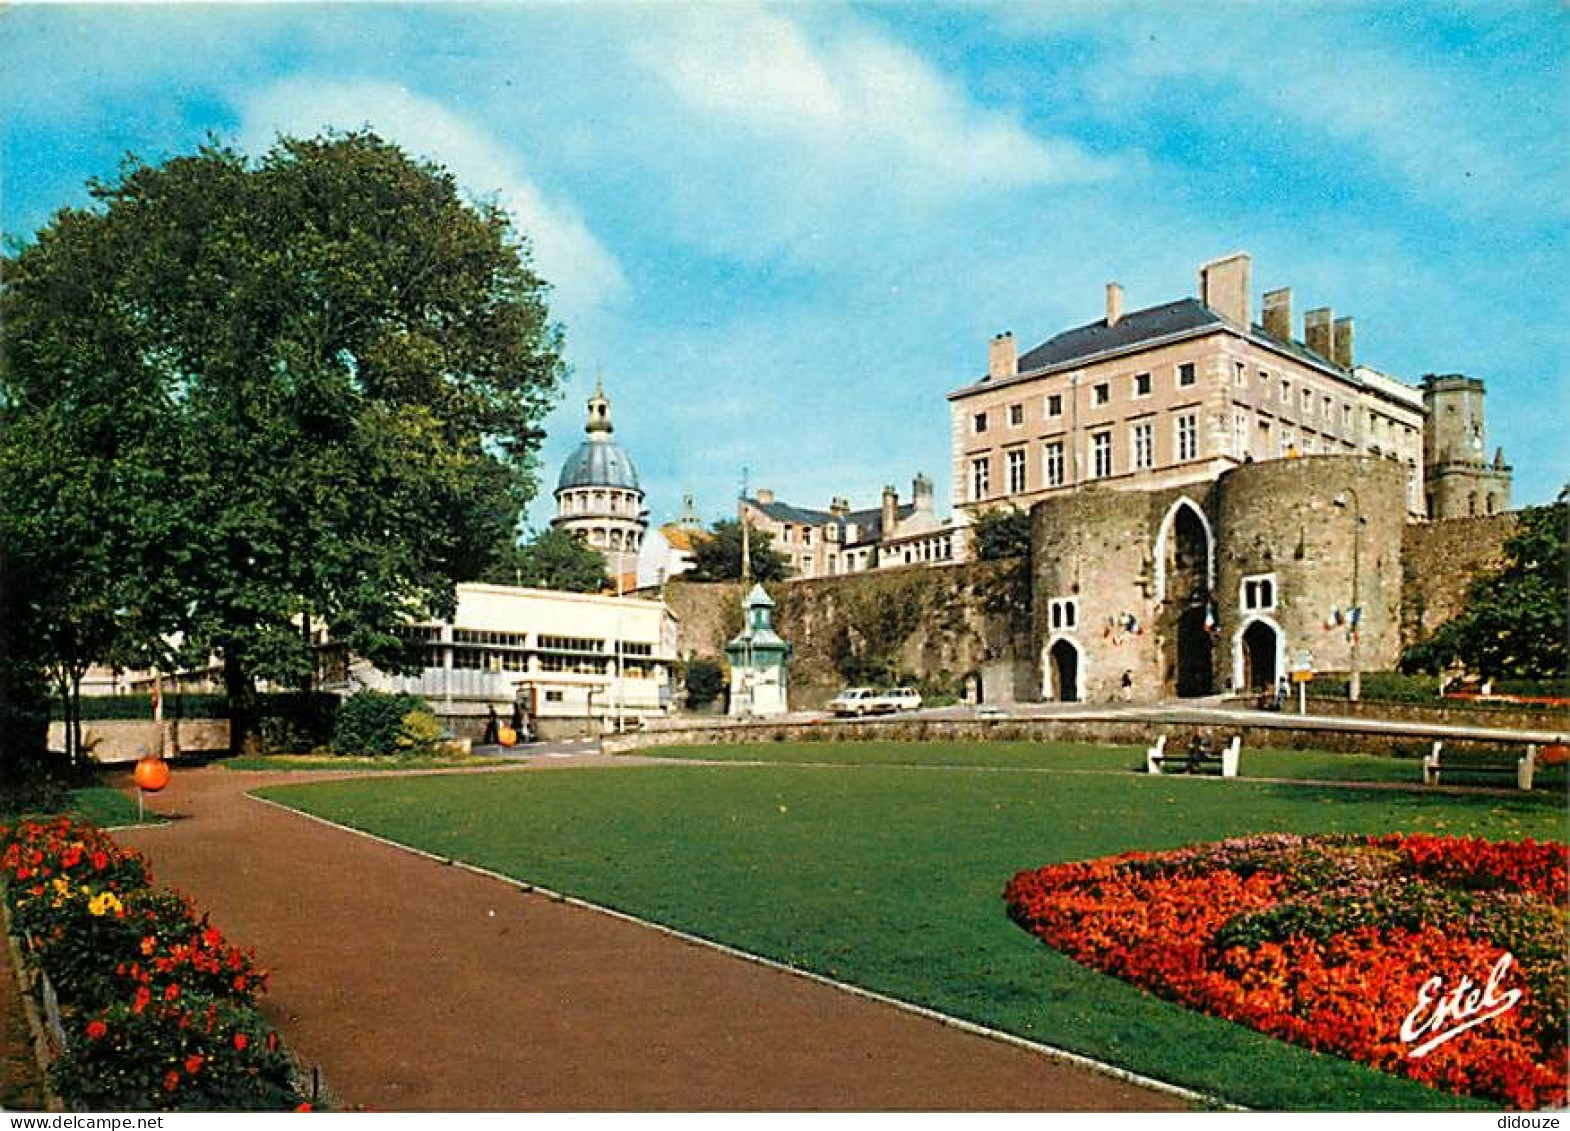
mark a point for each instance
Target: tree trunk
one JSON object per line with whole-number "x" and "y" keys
{"x": 79, "y": 762}
{"x": 241, "y": 695}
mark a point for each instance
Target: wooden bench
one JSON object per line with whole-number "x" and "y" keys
{"x": 1192, "y": 761}
{"x": 1525, "y": 767}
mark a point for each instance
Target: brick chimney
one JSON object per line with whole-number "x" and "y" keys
{"x": 1277, "y": 316}
{"x": 1114, "y": 304}
{"x": 921, "y": 493}
{"x": 1319, "y": 332}
{"x": 1224, "y": 287}
{"x": 1342, "y": 343}
{"x": 1003, "y": 356}
{"x": 764, "y": 496}
{"x": 839, "y": 507}
{"x": 890, "y": 511}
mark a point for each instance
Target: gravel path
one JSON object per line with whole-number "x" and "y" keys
{"x": 417, "y": 986}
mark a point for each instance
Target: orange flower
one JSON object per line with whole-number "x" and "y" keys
{"x": 96, "y": 1030}
{"x": 149, "y": 944}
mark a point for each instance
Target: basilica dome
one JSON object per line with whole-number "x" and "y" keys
{"x": 598, "y": 462}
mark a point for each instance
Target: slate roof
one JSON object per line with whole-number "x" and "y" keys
{"x": 1140, "y": 326}
{"x": 1170, "y": 320}
{"x": 869, "y": 523}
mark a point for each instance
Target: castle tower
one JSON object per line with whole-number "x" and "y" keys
{"x": 1457, "y": 478}
{"x": 598, "y": 496}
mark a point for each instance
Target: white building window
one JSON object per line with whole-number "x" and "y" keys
{"x": 1100, "y": 455}
{"x": 1052, "y": 464}
{"x": 1100, "y": 394}
{"x": 1187, "y": 436}
{"x": 1258, "y": 593}
{"x": 979, "y": 422}
{"x": 1016, "y": 414}
{"x": 1240, "y": 434}
{"x": 980, "y": 479}
{"x": 1186, "y": 375}
{"x": 1142, "y": 384}
{"x": 1016, "y": 471}
{"x": 1141, "y": 440}
{"x": 1063, "y": 613}
{"x": 1055, "y": 405}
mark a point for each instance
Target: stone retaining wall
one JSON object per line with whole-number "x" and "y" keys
{"x": 1105, "y": 731}
{"x": 115, "y": 741}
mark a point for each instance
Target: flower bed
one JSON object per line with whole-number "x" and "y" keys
{"x": 1355, "y": 946}
{"x": 157, "y": 1007}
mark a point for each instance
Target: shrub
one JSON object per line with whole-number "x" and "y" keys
{"x": 705, "y": 682}
{"x": 372, "y": 723}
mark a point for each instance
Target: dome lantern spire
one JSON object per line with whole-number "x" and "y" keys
{"x": 599, "y": 411}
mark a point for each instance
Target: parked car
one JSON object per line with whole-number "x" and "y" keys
{"x": 855, "y": 701}
{"x": 900, "y": 699}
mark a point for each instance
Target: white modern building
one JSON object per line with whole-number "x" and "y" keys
{"x": 579, "y": 663}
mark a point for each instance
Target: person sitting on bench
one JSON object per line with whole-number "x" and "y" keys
{"x": 1201, "y": 749}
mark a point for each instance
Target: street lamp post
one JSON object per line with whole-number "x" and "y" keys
{"x": 1355, "y": 683}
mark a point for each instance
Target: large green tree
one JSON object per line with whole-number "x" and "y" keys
{"x": 552, "y": 559}
{"x": 1514, "y": 623}
{"x": 716, "y": 556}
{"x": 348, "y": 361}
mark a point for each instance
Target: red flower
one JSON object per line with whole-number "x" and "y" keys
{"x": 100, "y": 861}
{"x": 172, "y": 992}
{"x": 193, "y": 1064}
{"x": 240, "y": 1041}
{"x": 96, "y": 1030}
{"x": 143, "y": 996}
{"x": 304, "y": 1107}
{"x": 212, "y": 938}
{"x": 171, "y": 1080}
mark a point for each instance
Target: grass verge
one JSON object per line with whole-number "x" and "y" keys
{"x": 890, "y": 877}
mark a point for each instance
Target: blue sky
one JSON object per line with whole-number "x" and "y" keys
{"x": 784, "y": 233}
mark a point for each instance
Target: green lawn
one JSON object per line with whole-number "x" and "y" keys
{"x": 99, "y": 804}
{"x": 890, "y": 877}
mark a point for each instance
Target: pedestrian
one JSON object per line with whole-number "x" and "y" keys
{"x": 517, "y": 721}
{"x": 492, "y": 726}
{"x": 1282, "y": 691}
{"x": 1128, "y": 686}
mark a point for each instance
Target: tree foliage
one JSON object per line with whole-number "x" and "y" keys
{"x": 552, "y": 559}
{"x": 284, "y": 395}
{"x": 1514, "y": 623}
{"x": 1002, "y": 533}
{"x": 717, "y": 555}
{"x": 705, "y": 682}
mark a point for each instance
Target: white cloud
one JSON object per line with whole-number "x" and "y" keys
{"x": 851, "y": 100}
{"x": 583, "y": 274}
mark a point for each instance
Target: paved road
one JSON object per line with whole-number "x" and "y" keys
{"x": 423, "y": 987}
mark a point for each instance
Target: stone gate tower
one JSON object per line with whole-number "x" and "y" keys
{"x": 1456, "y": 478}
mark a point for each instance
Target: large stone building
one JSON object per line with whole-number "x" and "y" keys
{"x": 598, "y": 496}
{"x": 1184, "y": 392}
{"x": 823, "y": 543}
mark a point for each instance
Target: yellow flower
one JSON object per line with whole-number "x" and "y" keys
{"x": 61, "y": 886}
{"x": 104, "y": 903}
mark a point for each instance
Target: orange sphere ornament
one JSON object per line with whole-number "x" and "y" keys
{"x": 506, "y": 736}
{"x": 152, "y": 774}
